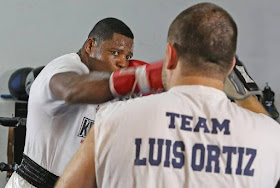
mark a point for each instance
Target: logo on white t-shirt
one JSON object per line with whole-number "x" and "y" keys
{"x": 85, "y": 127}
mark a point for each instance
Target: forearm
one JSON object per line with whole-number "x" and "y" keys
{"x": 95, "y": 87}
{"x": 252, "y": 104}
{"x": 75, "y": 89}
{"x": 93, "y": 92}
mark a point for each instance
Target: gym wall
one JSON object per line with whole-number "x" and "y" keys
{"x": 35, "y": 32}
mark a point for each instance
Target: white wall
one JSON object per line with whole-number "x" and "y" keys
{"x": 33, "y": 32}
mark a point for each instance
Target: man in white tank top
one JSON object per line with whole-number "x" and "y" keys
{"x": 190, "y": 136}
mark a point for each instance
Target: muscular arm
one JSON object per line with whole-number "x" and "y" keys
{"x": 81, "y": 170}
{"x": 73, "y": 88}
{"x": 251, "y": 103}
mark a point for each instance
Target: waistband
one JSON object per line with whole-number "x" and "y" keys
{"x": 35, "y": 174}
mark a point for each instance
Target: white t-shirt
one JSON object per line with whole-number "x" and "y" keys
{"x": 190, "y": 136}
{"x": 55, "y": 130}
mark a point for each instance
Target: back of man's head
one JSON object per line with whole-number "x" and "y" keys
{"x": 105, "y": 29}
{"x": 205, "y": 37}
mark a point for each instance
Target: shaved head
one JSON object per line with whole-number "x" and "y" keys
{"x": 204, "y": 36}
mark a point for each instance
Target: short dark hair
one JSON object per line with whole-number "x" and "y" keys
{"x": 105, "y": 29}
{"x": 204, "y": 34}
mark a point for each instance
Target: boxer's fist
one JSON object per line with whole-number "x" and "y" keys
{"x": 139, "y": 78}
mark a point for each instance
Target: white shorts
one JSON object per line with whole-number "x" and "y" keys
{"x": 16, "y": 181}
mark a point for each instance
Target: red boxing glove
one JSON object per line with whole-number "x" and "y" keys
{"x": 139, "y": 78}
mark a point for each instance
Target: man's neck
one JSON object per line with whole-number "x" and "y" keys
{"x": 198, "y": 80}
{"x": 83, "y": 58}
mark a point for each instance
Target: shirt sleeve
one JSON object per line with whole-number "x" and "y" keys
{"x": 40, "y": 90}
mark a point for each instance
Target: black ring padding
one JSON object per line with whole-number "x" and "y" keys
{"x": 12, "y": 121}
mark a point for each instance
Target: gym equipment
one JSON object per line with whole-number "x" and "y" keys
{"x": 8, "y": 167}
{"x": 16, "y": 137}
{"x": 12, "y": 121}
{"x": 17, "y": 83}
{"x": 31, "y": 77}
{"x": 268, "y": 102}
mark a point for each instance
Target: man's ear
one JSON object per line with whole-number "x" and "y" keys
{"x": 172, "y": 58}
{"x": 232, "y": 66}
{"x": 90, "y": 43}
